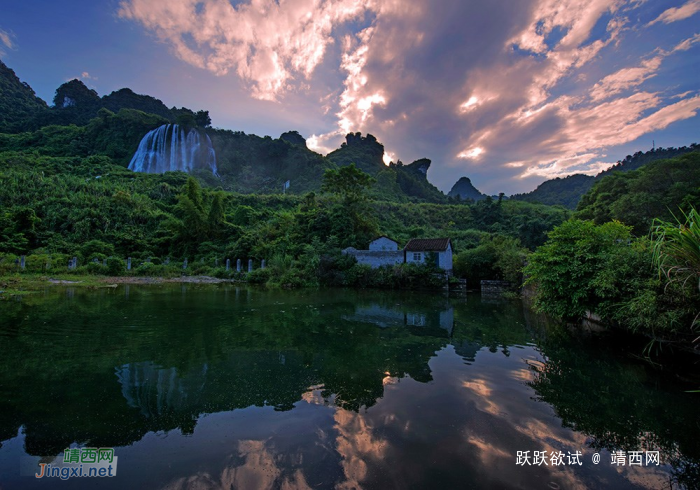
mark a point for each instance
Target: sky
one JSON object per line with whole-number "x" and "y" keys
{"x": 508, "y": 93}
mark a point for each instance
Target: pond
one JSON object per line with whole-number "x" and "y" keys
{"x": 218, "y": 386}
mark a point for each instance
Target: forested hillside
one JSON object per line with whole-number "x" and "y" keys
{"x": 568, "y": 191}
{"x": 565, "y": 191}
{"x": 658, "y": 190}
{"x": 18, "y": 102}
{"x": 65, "y": 192}
{"x": 465, "y": 190}
{"x": 633, "y": 162}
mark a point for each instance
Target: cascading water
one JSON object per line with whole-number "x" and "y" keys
{"x": 170, "y": 147}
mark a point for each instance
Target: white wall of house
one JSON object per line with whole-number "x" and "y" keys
{"x": 384, "y": 251}
{"x": 383, "y": 244}
{"x": 376, "y": 259}
{"x": 444, "y": 258}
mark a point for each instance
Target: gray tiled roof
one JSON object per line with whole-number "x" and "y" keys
{"x": 427, "y": 245}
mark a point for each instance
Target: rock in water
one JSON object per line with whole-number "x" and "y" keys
{"x": 171, "y": 147}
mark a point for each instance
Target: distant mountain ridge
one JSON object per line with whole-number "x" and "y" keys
{"x": 464, "y": 189}
{"x": 18, "y": 102}
{"x": 74, "y": 103}
{"x": 83, "y": 124}
{"x": 568, "y": 191}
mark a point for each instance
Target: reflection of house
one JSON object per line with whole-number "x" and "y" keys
{"x": 422, "y": 249}
{"x": 385, "y": 251}
{"x": 385, "y": 317}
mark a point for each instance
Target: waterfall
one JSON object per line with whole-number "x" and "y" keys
{"x": 169, "y": 148}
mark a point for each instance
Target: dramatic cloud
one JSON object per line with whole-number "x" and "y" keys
{"x": 678, "y": 13}
{"x": 506, "y": 92}
{"x": 266, "y": 42}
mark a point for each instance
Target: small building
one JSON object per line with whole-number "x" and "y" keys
{"x": 420, "y": 249}
{"x": 383, "y": 244}
{"x": 385, "y": 251}
{"x": 382, "y": 251}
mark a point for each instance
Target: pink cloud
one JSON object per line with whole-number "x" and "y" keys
{"x": 6, "y": 41}
{"x": 625, "y": 79}
{"x": 498, "y": 88}
{"x": 678, "y": 13}
{"x": 631, "y": 77}
{"x": 586, "y": 132}
{"x": 267, "y": 43}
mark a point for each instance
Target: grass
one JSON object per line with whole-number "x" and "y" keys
{"x": 20, "y": 284}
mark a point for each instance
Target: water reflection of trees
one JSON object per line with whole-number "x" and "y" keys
{"x": 619, "y": 404}
{"x": 104, "y": 369}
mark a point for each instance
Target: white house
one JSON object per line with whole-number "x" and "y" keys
{"x": 420, "y": 249}
{"x": 385, "y": 251}
{"x": 383, "y": 244}
{"x": 382, "y": 251}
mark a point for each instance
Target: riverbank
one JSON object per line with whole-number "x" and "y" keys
{"x": 29, "y": 283}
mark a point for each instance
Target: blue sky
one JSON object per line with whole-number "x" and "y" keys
{"x": 506, "y": 93}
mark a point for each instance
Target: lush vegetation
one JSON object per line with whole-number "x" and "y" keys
{"x": 18, "y": 102}
{"x": 566, "y": 192}
{"x": 53, "y": 206}
{"x": 569, "y": 191}
{"x": 465, "y": 190}
{"x": 604, "y": 270}
{"x": 639, "y": 159}
{"x": 636, "y": 198}
{"x": 65, "y": 192}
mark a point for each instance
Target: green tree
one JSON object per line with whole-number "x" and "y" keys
{"x": 187, "y": 120}
{"x": 496, "y": 257}
{"x": 350, "y": 183}
{"x": 677, "y": 248}
{"x": 202, "y": 119}
{"x": 581, "y": 268}
{"x": 352, "y": 220}
{"x": 638, "y": 197}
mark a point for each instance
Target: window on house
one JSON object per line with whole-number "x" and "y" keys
{"x": 416, "y": 257}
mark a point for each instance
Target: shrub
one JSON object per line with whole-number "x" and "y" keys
{"x": 115, "y": 266}
{"x": 259, "y": 276}
{"x": 332, "y": 269}
{"x": 148, "y": 269}
{"x": 96, "y": 268}
{"x": 96, "y": 248}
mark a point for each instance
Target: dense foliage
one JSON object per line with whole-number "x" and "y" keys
{"x": 640, "y": 158}
{"x": 18, "y": 102}
{"x": 65, "y": 192}
{"x": 250, "y": 163}
{"x": 586, "y": 269}
{"x": 52, "y": 206}
{"x": 496, "y": 257}
{"x": 677, "y": 249}
{"x": 636, "y": 198}
{"x": 568, "y": 191}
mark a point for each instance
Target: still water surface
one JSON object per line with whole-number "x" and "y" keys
{"x": 202, "y": 386}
